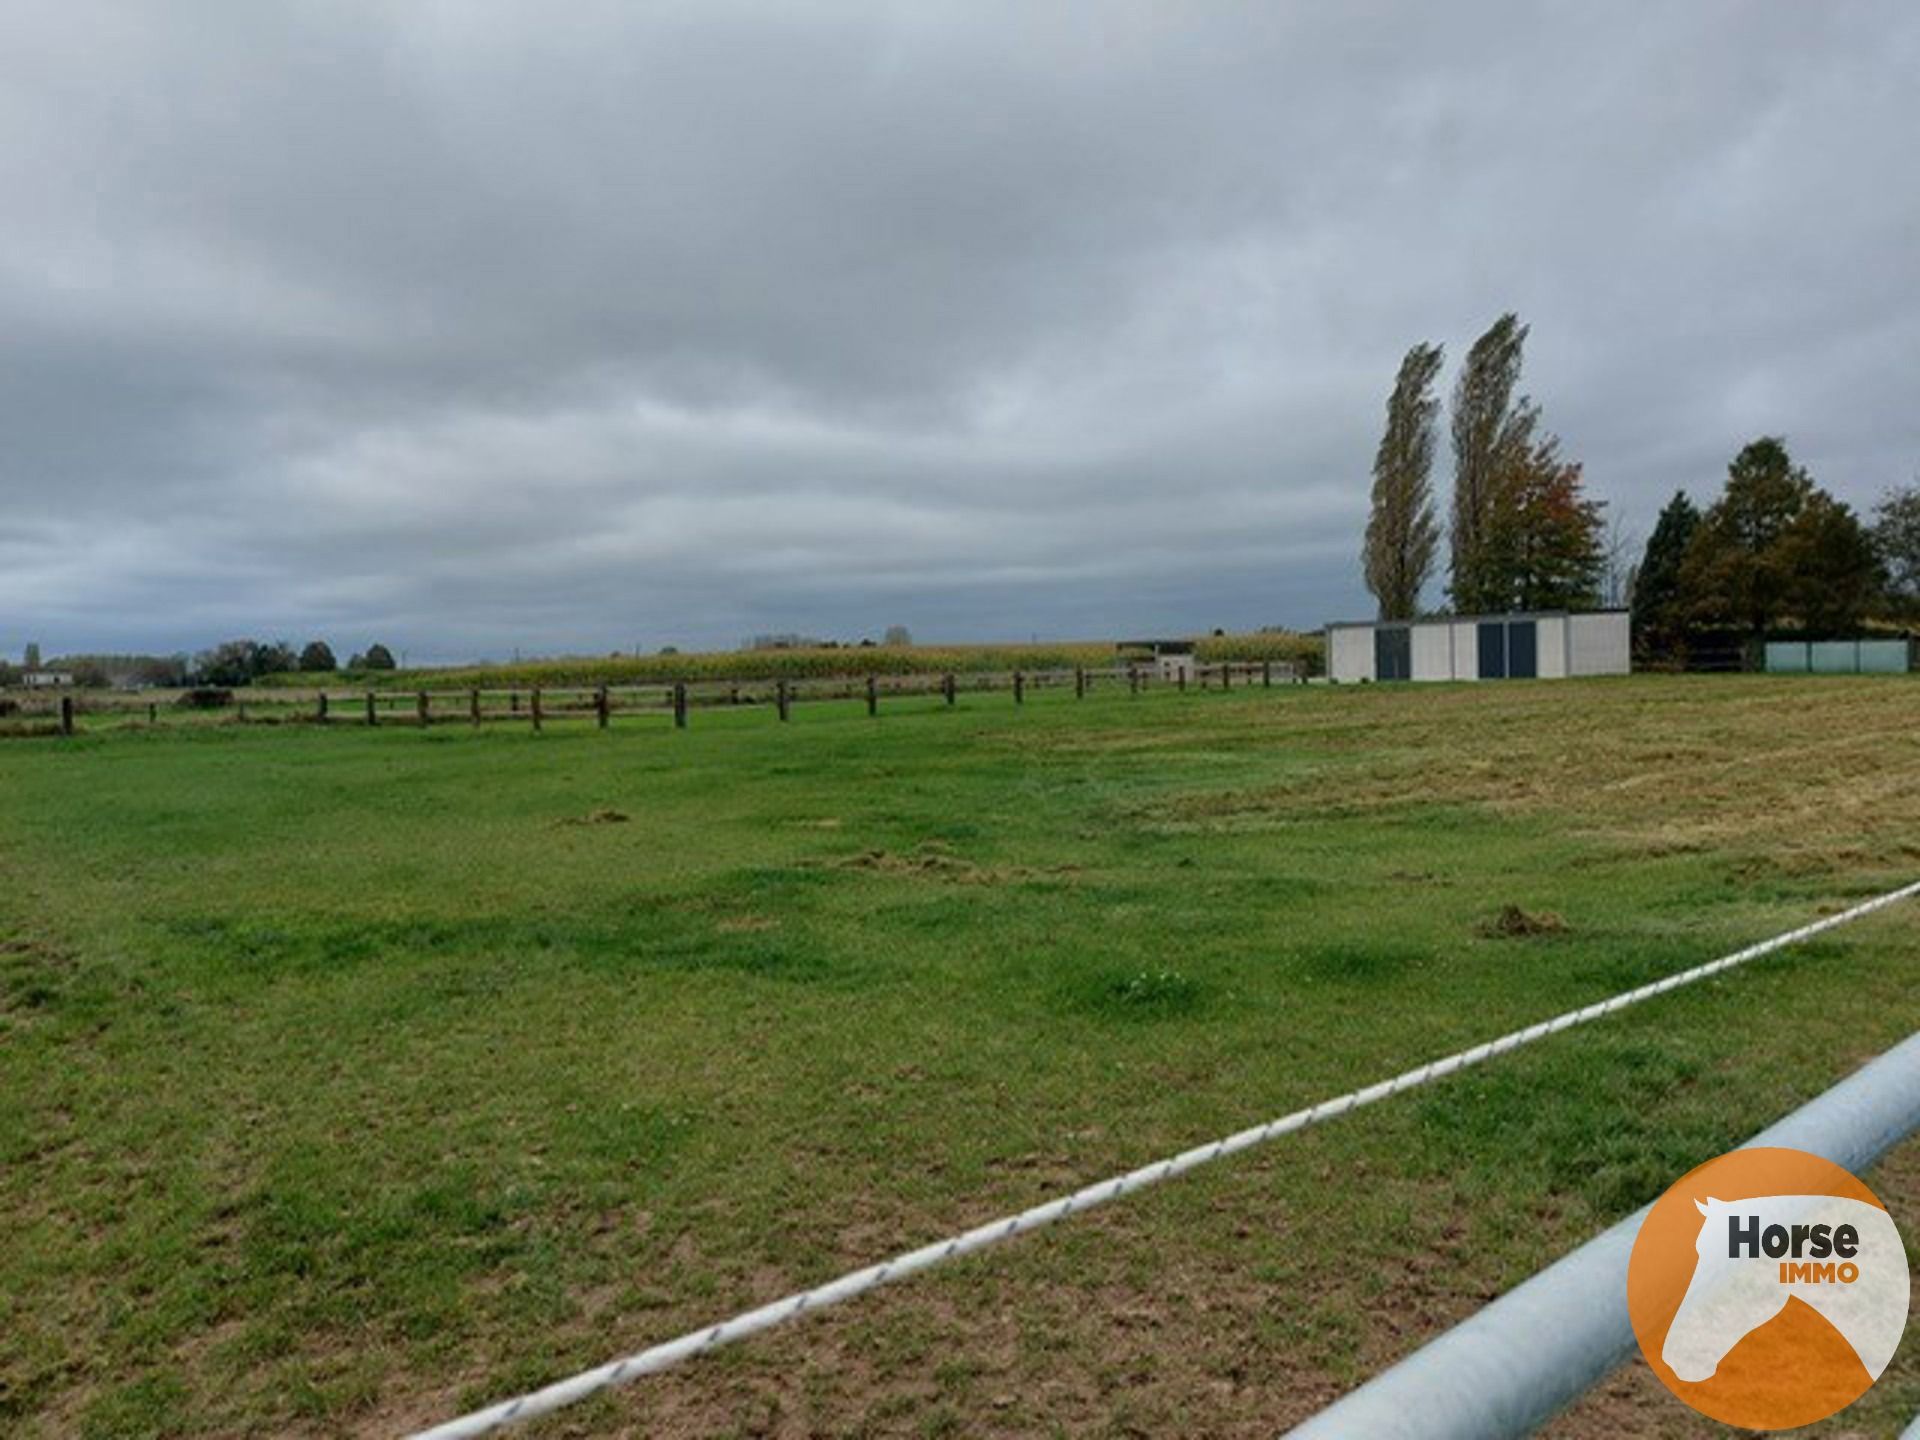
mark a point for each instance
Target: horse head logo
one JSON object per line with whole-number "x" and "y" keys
{"x": 1843, "y": 1257}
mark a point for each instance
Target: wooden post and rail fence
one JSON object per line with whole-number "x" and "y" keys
{"x": 676, "y": 700}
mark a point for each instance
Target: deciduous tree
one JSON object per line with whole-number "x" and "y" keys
{"x": 1541, "y": 548}
{"x": 241, "y": 662}
{"x": 1896, "y": 537}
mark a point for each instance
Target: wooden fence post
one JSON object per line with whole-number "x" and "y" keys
{"x": 66, "y": 715}
{"x": 600, "y": 707}
{"x": 1266, "y": 674}
{"x": 1019, "y": 688}
{"x": 1183, "y": 679}
{"x": 1226, "y": 674}
{"x": 873, "y": 695}
{"x": 153, "y": 711}
{"x": 534, "y": 704}
{"x": 473, "y": 705}
{"x": 780, "y": 698}
{"x": 373, "y": 715}
{"x": 513, "y": 701}
{"x": 733, "y": 695}
{"x": 1079, "y": 683}
{"x": 679, "y": 705}
{"x": 320, "y": 708}
{"x": 947, "y": 686}
{"x": 426, "y": 718}
{"x": 1133, "y": 679}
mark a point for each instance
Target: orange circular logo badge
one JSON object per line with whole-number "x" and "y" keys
{"x": 1768, "y": 1288}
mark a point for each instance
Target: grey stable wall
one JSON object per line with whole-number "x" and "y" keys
{"x": 1600, "y": 644}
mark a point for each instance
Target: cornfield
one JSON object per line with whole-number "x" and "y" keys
{"x": 1302, "y": 650}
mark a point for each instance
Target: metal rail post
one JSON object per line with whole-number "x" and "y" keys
{"x": 1508, "y": 1368}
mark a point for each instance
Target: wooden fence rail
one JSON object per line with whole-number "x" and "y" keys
{"x": 536, "y": 705}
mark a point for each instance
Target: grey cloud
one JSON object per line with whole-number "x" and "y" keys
{"x": 496, "y": 326}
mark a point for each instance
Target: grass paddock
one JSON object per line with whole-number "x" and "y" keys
{"x": 351, "y": 1078}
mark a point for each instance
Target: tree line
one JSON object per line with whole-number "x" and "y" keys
{"x": 1523, "y": 535}
{"x": 225, "y": 666}
{"x": 241, "y": 662}
{"x": 1773, "y": 552}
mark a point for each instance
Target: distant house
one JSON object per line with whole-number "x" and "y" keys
{"x": 1172, "y": 659}
{"x": 46, "y": 679}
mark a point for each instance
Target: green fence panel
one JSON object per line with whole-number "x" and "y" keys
{"x": 1883, "y": 657}
{"x": 1786, "y": 657}
{"x": 1834, "y": 657}
{"x": 1838, "y": 657}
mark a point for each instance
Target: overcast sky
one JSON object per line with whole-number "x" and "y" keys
{"x": 472, "y": 327}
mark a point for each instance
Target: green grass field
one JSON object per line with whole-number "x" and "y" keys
{"x": 349, "y": 1079}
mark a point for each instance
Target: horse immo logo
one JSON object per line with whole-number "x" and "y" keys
{"x": 1768, "y": 1288}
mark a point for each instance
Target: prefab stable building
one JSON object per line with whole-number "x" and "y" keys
{"x": 1544, "y": 645}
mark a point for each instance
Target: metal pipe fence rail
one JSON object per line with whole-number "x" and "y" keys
{"x": 1517, "y": 1362}
{"x": 792, "y": 1307}
{"x": 538, "y": 705}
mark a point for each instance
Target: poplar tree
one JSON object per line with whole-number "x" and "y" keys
{"x": 1403, "y": 534}
{"x": 1492, "y": 432}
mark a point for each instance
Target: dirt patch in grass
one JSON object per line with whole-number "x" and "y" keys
{"x": 745, "y": 924}
{"x": 603, "y": 816}
{"x": 33, "y": 974}
{"x": 1513, "y": 923}
{"x": 936, "y": 860}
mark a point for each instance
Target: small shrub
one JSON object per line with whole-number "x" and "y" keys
{"x": 205, "y": 697}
